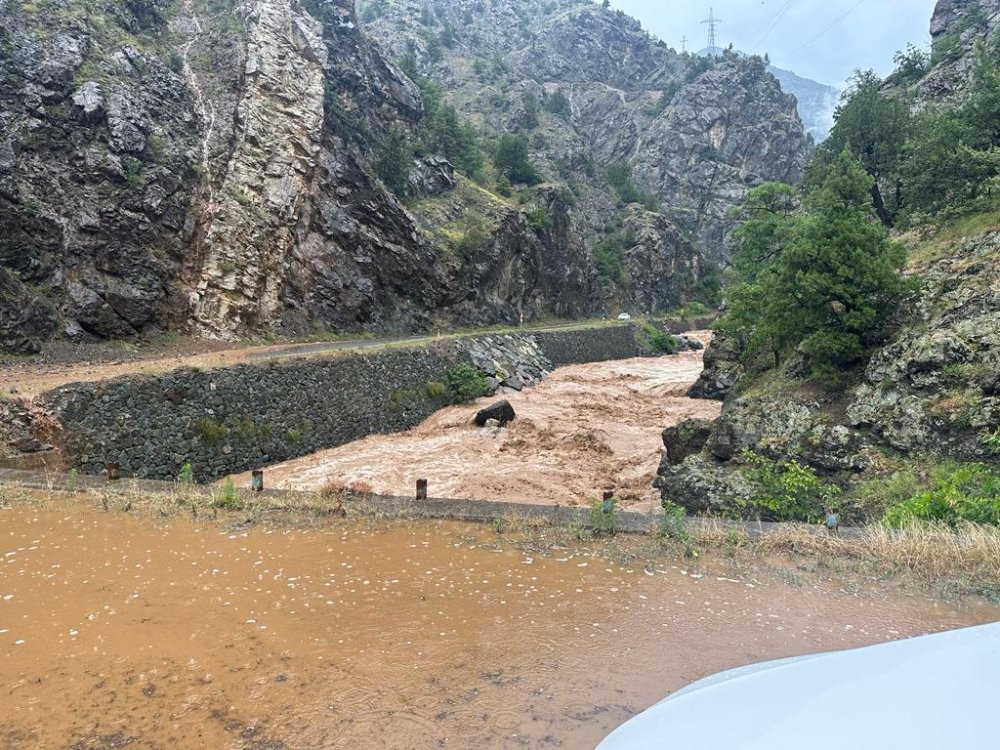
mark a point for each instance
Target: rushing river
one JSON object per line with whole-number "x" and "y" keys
{"x": 125, "y": 632}
{"x": 584, "y": 429}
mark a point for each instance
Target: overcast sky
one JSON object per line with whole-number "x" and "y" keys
{"x": 825, "y": 40}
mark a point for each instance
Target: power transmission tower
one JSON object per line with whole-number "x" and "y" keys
{"x": 712, "y": 22}
{"x": 684, "y": 43}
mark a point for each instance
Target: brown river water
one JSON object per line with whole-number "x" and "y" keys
{"x": 118, "y": 631}
{"x": 584, "y": 429}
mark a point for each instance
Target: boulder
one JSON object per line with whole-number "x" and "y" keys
{"x": 722, "y": 368}
{"x": 513, "y": 383}
{"x": 29, "y": 445}
{"x": 686, "y": 439}
{"x": 501, "y": 411}
{"x": 692, "y": 343}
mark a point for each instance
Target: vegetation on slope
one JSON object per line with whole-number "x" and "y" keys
{"x": 820, "y": 287}
{"x": 929, "y": 163}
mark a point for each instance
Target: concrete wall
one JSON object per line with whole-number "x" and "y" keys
{"x": 232, "y": 419}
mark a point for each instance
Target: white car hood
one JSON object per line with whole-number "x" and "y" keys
{"x": 938, "y": 692}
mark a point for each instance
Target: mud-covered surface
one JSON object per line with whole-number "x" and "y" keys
{"x": 584, "y": 429}
{"x": 119, "y": 632}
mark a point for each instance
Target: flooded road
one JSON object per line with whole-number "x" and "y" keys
{"x": 585, "y": 428}
{"x": 174, "y": 635}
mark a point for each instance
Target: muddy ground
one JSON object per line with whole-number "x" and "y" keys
{"x": 118, "y": 631}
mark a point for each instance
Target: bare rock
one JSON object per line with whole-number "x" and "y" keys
{"x": 502, "y": 412}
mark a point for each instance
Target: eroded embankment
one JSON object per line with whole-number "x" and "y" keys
{"x": 122, "y": 631}
{"x": 583, "y": 429}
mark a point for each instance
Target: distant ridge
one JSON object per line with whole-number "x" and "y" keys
{"x": 816, "y": 100}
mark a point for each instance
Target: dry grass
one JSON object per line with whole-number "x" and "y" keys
{"x": 951, "y": 561}
{"x": 931, "y": 244}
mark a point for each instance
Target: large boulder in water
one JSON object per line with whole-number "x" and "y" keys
{"x": 501, "y": 411}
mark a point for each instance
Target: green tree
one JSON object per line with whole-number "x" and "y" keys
{"x": 531, "y": 108}
{"x": 874, "y": 127}
{"x": 512, "y": 159}
{"x": 951, "y": 155}
{"x": 827, "y": 280}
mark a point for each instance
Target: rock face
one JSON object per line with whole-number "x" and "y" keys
{"x": 932, "y": 390}
{"x": 696, "y": 133}
{"x": 727, "y": 131}
{"x": 208, "y": 166}
{"x": 722, "y": 368}
{"x": 956, "y": 28}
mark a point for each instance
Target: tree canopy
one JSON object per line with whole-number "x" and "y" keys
{"x": 823, "y": 280}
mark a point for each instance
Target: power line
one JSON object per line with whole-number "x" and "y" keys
{"x": 773, "y": 23}
{"x": 832, "y": 24}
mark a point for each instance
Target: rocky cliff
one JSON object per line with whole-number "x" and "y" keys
{"x": 958, "y": 27}
{"x": 695, "y": 133}
{"x": 211, "y": 166}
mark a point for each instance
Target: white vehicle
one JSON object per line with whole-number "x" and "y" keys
{"x": 624, "y": 316}
{"x": 937, "y": 692}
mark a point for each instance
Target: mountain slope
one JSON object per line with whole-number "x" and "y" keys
{"x": 694, "y": 133}
{"x": 922, "y": 414}
{"x": 225, "y": 168}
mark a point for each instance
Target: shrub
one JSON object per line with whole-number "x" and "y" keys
{"x": 466, "y": 382}
{"x": 227, "y": 497}
{"x": 435, "y": 389}
{"x": 186, "y": 475}
{"x": 558, "y": 104}
{"x": 991, "y": 441}
{"x": 603, "y": 521}
{"x": 672, "y": 520}
{"x": 619, "y": 177}
{"x": 786, "y": 491}
{"x": 473, "y": 237}
{"x": 608, "y": 255}
{"x": 211, "y": 432}
{"x": 962, "y": 492}
{"x": 658, "y": 340}
{"x": 538, "y": 219}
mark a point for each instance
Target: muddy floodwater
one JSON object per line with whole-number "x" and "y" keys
{"x": 125, "y": 632}
{"x": 584, "y": 429}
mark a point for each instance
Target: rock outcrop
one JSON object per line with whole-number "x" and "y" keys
{"x": 957, "y": 27}
{"x": 210, "y": 166}
{"x": 933, "y": 390}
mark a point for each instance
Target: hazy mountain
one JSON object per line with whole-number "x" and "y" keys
{"x": 816, "y": 100}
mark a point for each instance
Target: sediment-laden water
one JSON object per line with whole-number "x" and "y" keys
{"x": 584, "y": 429}
{"x": 178, "y": 635}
